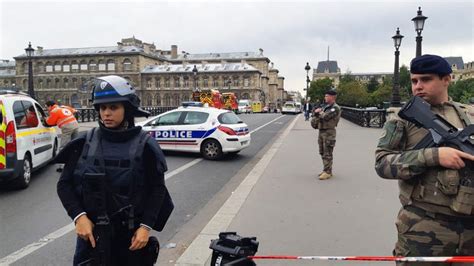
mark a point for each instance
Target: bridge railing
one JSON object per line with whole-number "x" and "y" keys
{"x": 364, "y": 117}
{"x": 90, "y": 114}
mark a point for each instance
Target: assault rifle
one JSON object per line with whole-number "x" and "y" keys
{"x": 441, "y": 132}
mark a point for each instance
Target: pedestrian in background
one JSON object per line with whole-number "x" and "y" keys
{"x": 307, "y": 108}
{"x": 329, "y": 116}
{"x": 429, "y": 222}
{"x": 134, "y": 196}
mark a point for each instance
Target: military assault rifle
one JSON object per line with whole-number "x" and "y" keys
{"x": 441, "y": 132}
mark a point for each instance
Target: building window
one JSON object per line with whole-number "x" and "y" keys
{"x": 66, "y": 67}
{"x": 49, "y": 67}
{"x": 186, "y": 82}
{"x": 246, "y": 82}
{"x": 157, "y": 83}
{"x": 110, "y": 65}
{"x": 83, "y": 66}
{"x": 92, "y": 65}
{"x": 40, "y": 67}
{"x": 205, "y": 82}
{"x": 236, "y": 82}
{"x": 215, "y": 83}
{"x": 167, "y": 83}
{"x": 40, "y": 83}
{"x": 48, "y": 83}
{"x": 148, "y": 83}
{"x": 102, "y": 66}
{"x": 57, "y": 66}
{"x": 74, "y": 66}
{"x": 177, "y": 83}
{"x": 66, "y": 83}
{"x": 127, "y": 65}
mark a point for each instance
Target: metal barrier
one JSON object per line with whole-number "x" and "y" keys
{"x": 90, "y": 114}
{"x": 363, "y": 117}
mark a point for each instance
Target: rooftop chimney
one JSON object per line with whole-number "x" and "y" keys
{"x": 174, "y": 51}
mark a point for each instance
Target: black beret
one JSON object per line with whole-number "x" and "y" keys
{"x": 331, "y": 92}
{"x": 430, "y": 64}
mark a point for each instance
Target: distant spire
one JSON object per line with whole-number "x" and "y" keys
{"x": 328, "y": 53}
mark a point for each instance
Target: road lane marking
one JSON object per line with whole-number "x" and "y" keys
{"x": 17, "y": 255}
{"x": 37, "y": 245}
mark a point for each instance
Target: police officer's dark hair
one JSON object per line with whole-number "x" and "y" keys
{"x": 50, "y": 103}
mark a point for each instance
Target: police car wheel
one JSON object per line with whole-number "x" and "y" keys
{"x": 211, "y": 150}
{"x": 24, "y": 177}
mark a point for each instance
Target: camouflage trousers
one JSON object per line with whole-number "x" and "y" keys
{"x": 423, "y": 236}
{"x": 327, "y": 141}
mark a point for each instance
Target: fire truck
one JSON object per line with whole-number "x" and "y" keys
{"x": 212, "y": 98}
{"x": 230, "y": 101}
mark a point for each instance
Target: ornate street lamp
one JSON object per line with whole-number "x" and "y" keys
{"x": 29, "y": 53}
{"x": 419, "y": 21}
{"x": 397, "y": 40}
{"x": 307, "y": 68}
{"x": 195, "y": 71}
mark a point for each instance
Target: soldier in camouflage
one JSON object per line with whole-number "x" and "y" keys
{"x": 430, "y": 223}
{"x": 328, "y": 119}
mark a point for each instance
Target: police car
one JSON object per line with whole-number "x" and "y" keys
{"x": 26, "y": 141}
{"x": 194, "y": 128}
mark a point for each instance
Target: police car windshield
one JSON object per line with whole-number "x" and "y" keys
{"x": 229, "y": 118}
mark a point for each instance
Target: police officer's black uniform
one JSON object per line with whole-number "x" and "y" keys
{"x": 134, "y": 168}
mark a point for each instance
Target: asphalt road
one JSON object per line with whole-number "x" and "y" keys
{"x": 27, "y": 216}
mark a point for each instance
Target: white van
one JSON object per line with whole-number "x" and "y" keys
{"x": 245, "y": 106}
{"x": 291, "y": 108}
{"x": 26, "y": 141}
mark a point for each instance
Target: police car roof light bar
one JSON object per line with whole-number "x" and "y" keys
{"x": 193, "y": 104}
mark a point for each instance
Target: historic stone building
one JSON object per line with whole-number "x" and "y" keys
{"x": 161, "y": 77}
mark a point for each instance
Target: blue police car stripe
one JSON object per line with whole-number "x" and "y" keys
{"x": 182, "y": 134}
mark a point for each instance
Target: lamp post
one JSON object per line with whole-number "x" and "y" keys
{"x": 307, "y": 68}
{"x": 397, "y": 40}
{"x": 195, "y": 71}
{"x": 29, "y": 53}
{"x": 419, "y": 21}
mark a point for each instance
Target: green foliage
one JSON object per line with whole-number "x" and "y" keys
{"x": 405, "y": 81}
{"x": 372, "y": 85}
{"x": 347, "y": 78}
{"x": 318, "y": 88}
{"x": 382, "y": 94}
{"x": 352, "y": 94}
{"x": 462, "y": 90}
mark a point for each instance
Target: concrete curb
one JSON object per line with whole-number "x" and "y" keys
{"x": 198, "y": 252}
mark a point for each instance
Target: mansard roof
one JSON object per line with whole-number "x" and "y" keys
{"x": 455, "y": 60}
{"x": 218, "y": 56}
{"x": 7, "y": 63}
{"x": 7, "y": 73}
{"x": 331, "y": 67}
{"x": 91, "y": 51}
{"x": 202, "y": 68}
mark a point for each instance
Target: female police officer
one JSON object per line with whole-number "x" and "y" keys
{"x": 113, "y": 184}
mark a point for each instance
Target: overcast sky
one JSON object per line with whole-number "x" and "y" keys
{"x": 291, "y": 33}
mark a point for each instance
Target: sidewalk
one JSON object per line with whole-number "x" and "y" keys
{"x": 291, "y": 212}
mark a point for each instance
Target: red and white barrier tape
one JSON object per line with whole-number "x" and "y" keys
{"x": 370, "y": 258}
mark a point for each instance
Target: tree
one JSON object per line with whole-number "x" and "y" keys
{"x": 405, "y": 82}
{"x": 346, "y": 78}
{"x": 372, "y": 85}
{"x": 352, "y": 93}
{"x": 462, "y": 90}
{"x": 318, "y": 88}
{"x": 381, "y": 95}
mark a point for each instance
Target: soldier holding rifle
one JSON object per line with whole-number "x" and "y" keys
{"x": 437, "y": 214}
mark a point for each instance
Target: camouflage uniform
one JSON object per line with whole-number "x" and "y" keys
{"x": 430, "y": 222}
{"x": 328, "y": 120}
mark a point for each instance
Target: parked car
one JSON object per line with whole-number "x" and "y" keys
{"x": 291, "y": 108}
{"x": 245, "y": 106}
{"x": 26, "y": 141}
{"x": 206, "y": 130}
